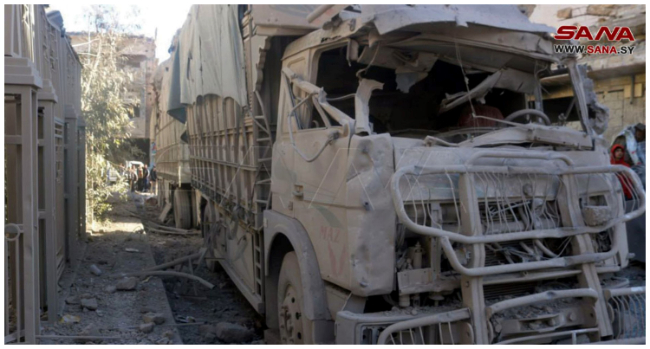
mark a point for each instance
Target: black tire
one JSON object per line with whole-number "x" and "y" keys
{"x": 182, "y": 209}
{"x": 295, "y": 328}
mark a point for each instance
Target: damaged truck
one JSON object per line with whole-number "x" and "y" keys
{"x": 387, "y": 175}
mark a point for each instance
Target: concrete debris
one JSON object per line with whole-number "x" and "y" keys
{"x": 156, "y": 318}
{"x": 564, "y": 13}
{"x": 233, "y": 333}
{"x": 208, "y": 332}
{"x": 127, "y": 284}
{"x": 95, "y": 270}
{"x": 163, "y": 341}
{"x": 89, "y": 303}
{"x": 596, "y": 215}
{"x": 72, "y": 300}
{"x": 89, "y": 330}
{"x": 146, "y": 327}
{"x": 601, "y": 10}
{"x": 85, "y": 296}
{"x": 70, "y": 319}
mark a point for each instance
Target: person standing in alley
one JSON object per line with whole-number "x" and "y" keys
{"x": 133, "y": 177}
{"x": 153, "y": 178}
{"x": 618, "y": 158}
{"x": 145, "y": 179}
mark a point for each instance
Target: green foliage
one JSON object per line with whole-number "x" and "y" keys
{"x": 104, "y": 86}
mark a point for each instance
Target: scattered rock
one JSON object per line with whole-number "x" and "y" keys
{"x": 208, "y": 333}
{"x": 89, "y": 303}
{"x": 233, "y": 333}
{"x": 70, "y": 319}
{"x": 168, "y": 334}
{"x": 156, "y": 318}
{"x": 72, "y": 300}
{"x": 86, "y": 296}
{"x": 89, "y": 330}
{"x": 133, "y": 250}
{"x": 95, "y": 270}
{"x": 110, "y": 289}
{"x": 147, "y": 327}
{"x": 127, "y": 284}
{"x": 163, "y": 341}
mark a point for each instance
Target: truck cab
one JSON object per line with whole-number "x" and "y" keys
{"x": 387, "y": 174}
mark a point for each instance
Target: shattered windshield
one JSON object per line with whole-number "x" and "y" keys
{"x": 413, "y": 93}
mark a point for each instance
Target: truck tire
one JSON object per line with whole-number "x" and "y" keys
{"x": 295, "y": 328}
{"x": 182, "y": 209}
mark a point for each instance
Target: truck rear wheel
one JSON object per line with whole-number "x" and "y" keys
{"x": 295, "y": 328}
{"x": 182, "y": 209}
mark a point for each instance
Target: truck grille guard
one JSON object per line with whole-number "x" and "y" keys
{"x": 625, "y": 305}
{"x": 566, "y": 174}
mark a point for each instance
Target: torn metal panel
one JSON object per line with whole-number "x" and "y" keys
{"x": 361, "y": 98}
{"x": 389, "y": 18}
{"x": 509, "y": 79}
{"x": 598, "y": 113}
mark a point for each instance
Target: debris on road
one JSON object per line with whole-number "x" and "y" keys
{"x": 233, "y": 333}
{"x": 95, "y": 270}
{"x": 127, "y": 284}
{"x": 89, "y": 303}
{"x": 147, "y": 327}
{"x": 156, "y": 318}
{"x": 70, "y": 319}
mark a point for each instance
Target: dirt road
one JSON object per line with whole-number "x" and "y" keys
{"x": 92, "y": 307}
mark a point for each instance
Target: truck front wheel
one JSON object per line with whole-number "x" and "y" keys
{"x": 295, "y": 328}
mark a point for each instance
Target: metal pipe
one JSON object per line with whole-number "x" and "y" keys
{"x": 638, "y": 340}
{"x": 170, "y": 273}
{"x": 534, "y": 298}
{"x": 174, "y": 262}
{"x": 519, "y": 155}
{"x": 318, "y": 12}
{"x": 617, "y": 292}
{"x": 398, "y": 204}
{"x": 511, "y": 268}
{"x": 76, "y": 337}
{"x": 550, "y": 335}
{"x": 450, "y": 316}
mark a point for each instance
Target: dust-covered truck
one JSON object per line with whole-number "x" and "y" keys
{"x": 387, "y": 174}
{"x": 172, "y": 154}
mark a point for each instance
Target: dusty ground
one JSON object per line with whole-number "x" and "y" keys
{"x": 191, "y": 310}
{"x": 120, "y": 313}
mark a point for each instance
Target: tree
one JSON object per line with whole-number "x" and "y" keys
{"x": 104, "y": 85}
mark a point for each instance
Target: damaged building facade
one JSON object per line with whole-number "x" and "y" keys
{"x": 619, "y": 80}
{"x": 138, "y": 58}
{"x": 45, "y": 186}
{"x": 387, "y": 174}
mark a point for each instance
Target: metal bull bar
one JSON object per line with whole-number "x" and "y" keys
{"x": 446, "y": 237}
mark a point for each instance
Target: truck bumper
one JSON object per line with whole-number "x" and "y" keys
{"x": 626, "y": 308}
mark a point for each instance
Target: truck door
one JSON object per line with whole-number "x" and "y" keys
{"x": 312, "y": 156}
